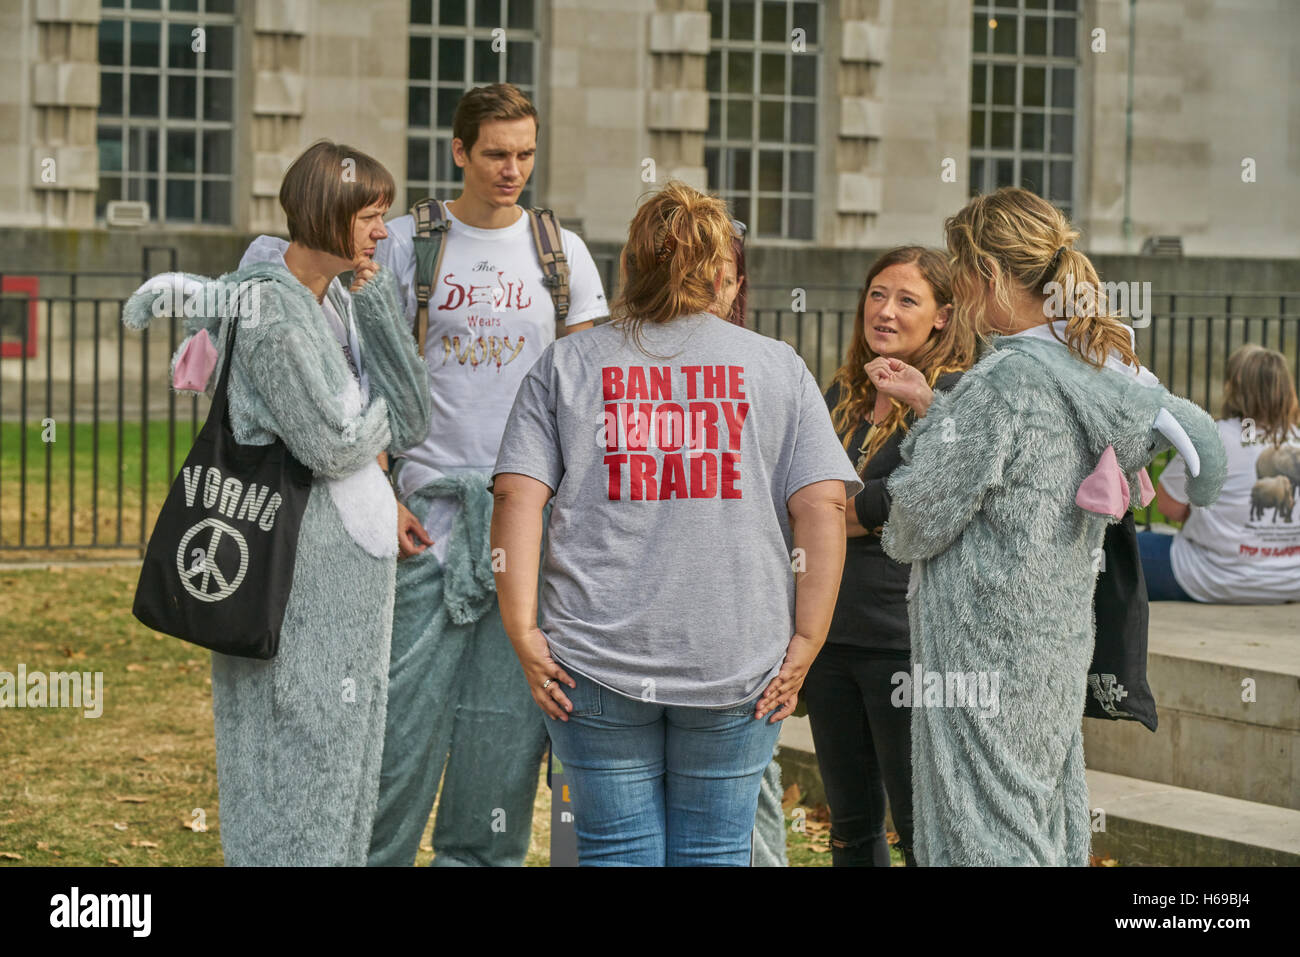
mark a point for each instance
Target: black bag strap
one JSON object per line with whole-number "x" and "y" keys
{"x": 217, "y": 411}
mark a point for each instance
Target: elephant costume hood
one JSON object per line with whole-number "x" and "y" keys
{"x": 1129, "y": 411}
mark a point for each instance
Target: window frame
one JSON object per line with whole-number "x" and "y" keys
{"x": 982, "y": 167}
{"x": 158, "y": 176}
{"x": 720, "y": 147}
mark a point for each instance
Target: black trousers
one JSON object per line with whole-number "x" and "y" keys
{"x": 864, "y": 750}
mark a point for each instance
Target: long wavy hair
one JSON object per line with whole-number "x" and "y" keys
{"x": 1021, "y": 242}
{"x": 1258, "y": 386}
{"x": 950, "y": 349}
{"x": 677, "y": 242}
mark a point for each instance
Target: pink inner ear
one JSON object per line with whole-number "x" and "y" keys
{"x": 194, "y": 367}
{"x": 1148, "y": 492}
{"x": 1105, "y": 490}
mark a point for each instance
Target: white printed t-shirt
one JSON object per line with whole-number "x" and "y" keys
{"x": 1245, "y": 548}
{"x": 490, "y": 317}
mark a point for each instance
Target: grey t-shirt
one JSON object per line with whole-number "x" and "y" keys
{"x": 668, "y": 572}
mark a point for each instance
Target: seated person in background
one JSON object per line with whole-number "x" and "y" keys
{"x": 1245, "y": 548}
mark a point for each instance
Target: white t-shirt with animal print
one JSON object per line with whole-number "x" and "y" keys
{"x": 1245, "y": 548}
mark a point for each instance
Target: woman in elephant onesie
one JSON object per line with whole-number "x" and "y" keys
{"x": 336, "y": 377}
{"x": 1001, "y": 504}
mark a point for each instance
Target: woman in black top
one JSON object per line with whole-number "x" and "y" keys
{"x": 905, "y": 345}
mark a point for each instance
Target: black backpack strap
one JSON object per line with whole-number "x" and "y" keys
{"x": 555, "y": 265}
{"x": 431, "y": 224}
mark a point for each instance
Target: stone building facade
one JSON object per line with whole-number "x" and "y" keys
{"x": 844, "y": 124}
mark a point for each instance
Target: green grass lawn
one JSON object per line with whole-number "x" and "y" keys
{"x": 124, "y": 788}
{"x": 92, "y": 507}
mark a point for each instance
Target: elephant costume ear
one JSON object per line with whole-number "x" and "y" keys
{"x": 195, "y": 360}
{"x": 1187, "y": 428}
{"x": 1105, "y": 490}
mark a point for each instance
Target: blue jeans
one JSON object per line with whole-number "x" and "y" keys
{"x": 656, "y": 785}
{"x": 1153, "y": 549}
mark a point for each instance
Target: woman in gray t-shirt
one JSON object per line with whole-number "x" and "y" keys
{"x": 694, "y": 547}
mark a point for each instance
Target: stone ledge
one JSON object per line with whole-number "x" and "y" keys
{"x": 67, "y": 11}
{"x": 861, "y": 118}
{"x": 686, "y": 32}
{"x": 862, "y": 42}
{"x": 858, "y": 193}
{"x": 1149, "y": 823}
{"x": 65, "y": 84}
{"x": 682, "y": 110}
{"x": 283, "y": 16}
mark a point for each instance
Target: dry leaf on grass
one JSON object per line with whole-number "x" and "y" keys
{"x": 791, "y": 796}
{"x": 891, "y": 837}
{"x": 119, "y": 825}
{"x": 143, "y": 844}
{"x": 115, "y": 862}
{"x": 131, "y": 799}
{"x": 10, "y": 856}
{"x": 135, "y": 667}
{"x": 42, "y": 845}
{"x": 819, "y": 848}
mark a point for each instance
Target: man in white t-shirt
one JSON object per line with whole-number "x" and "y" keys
{"x": 456, "y": 693}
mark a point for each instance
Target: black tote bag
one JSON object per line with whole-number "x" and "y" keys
{"x": 219, "y": 564}
{"x": 1117, "y": 677}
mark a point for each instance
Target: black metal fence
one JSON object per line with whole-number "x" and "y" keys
{"x": 91, "y": 434}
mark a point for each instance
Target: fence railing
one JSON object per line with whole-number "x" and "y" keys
{"x": 91, "y": 435}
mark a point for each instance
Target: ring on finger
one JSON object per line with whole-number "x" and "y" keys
{"x": 547, "y": 683}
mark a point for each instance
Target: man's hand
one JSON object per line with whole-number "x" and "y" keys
{"x": 410, "y": 532}
{"x": 363, "y": 270}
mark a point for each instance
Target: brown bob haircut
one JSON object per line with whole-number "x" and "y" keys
{"x": 500, "y": 101}
{"x": 325, "y": 188}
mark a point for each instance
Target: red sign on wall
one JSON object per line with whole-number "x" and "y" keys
{"x": 14, "y": 312}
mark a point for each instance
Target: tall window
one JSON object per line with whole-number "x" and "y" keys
{"x": 452, "y": 50}
{"x": 762, "y": 79}
{"x": 1024, "y": 74}
{"x": 167, "y": 107}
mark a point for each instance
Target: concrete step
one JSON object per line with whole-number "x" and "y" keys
{"x": 1146, "y": 823}
{"x": 1205, "y": 665}
{"x": 1140, "y": 822}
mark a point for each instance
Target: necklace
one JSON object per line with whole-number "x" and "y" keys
{"x": 861, "y": 463}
